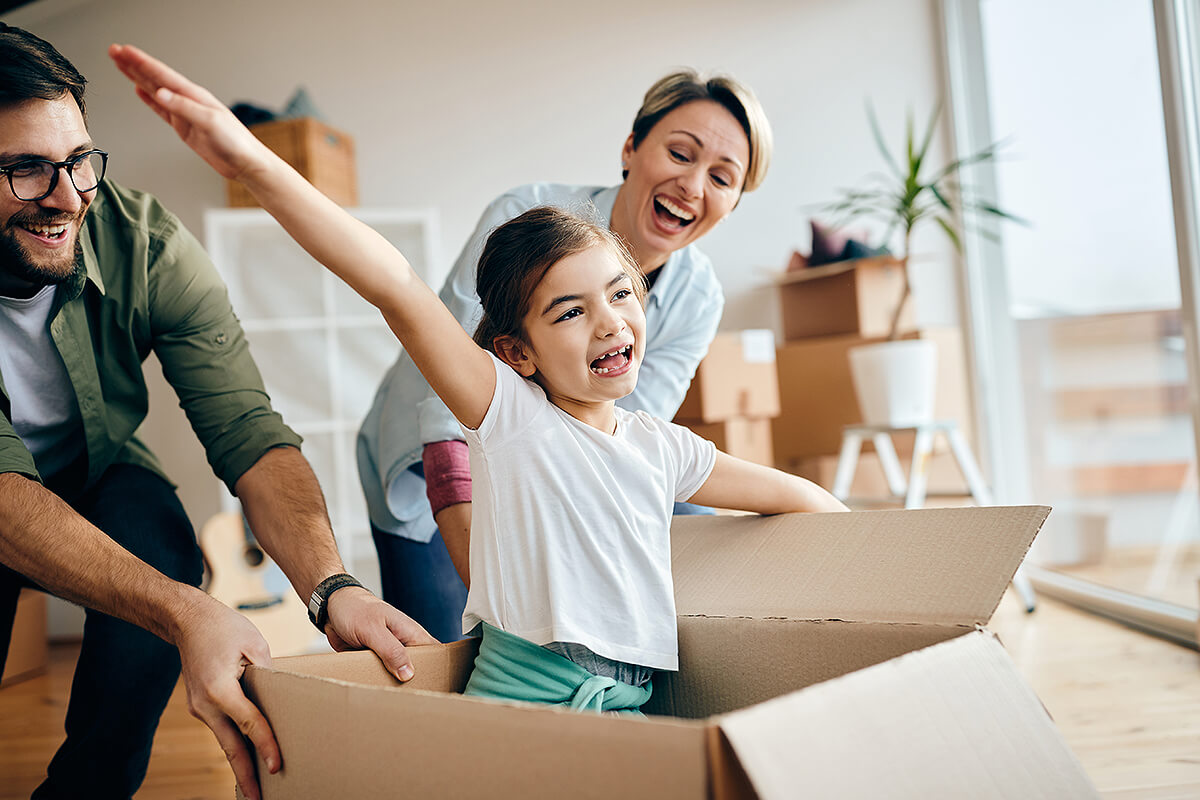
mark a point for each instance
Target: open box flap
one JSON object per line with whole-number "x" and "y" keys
{"x": 952, "y": 720}
{"x": 939, "y": 565}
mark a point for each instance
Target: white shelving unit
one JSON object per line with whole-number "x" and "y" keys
{"x": 321, "y": 348}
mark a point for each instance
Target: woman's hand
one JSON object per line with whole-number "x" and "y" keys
{"x": 202, "y": 121}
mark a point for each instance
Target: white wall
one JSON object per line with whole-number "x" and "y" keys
{"x": 451, "y": 103}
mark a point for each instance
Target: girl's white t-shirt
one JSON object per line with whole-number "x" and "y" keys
{"x": 570, "y": 529}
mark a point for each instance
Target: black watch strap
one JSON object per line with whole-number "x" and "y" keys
{"x": 318, "y": 603}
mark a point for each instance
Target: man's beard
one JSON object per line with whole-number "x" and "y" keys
{"x": 17, "y": 261}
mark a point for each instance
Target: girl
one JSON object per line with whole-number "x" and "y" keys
{"x": 570, "y": 550}
{"x": 695, "y": 146}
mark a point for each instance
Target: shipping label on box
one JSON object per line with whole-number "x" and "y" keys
{"x": 737, "y": 378}
{"x": 821, "y": 655}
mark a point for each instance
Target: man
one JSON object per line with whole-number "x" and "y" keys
{"x": 92, "y": 278}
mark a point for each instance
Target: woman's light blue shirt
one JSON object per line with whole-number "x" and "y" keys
{"x": 682, "y": 313}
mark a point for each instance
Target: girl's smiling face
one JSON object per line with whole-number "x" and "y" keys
{"x": 584, "y": 335}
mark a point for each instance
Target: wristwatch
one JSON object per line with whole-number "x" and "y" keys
{"x": 318, "y": 604}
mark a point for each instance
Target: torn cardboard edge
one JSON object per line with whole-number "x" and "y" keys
{"x": 755, "y": 687}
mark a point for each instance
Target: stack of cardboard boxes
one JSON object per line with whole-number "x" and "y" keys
{"x": 735, "y": 395}
{"x": 827, "y": 311}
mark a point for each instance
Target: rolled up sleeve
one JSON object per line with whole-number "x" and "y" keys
{"x": 206, "y": 358}
{"x": 14, "y": 455}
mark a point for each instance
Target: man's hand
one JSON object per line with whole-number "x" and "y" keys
{"x": 215, "y": 646}
{"x": 44, "y": 538}
{"x": 359, "y": 619}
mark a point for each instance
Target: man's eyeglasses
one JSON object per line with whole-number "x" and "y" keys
{"x": 36, "y": 178}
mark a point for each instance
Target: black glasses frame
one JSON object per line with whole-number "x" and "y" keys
{"x": 58, "y": 166}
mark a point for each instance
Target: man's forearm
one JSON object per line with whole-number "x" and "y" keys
{"x": 45, "y": 540}
{"x": 286, "y": 510}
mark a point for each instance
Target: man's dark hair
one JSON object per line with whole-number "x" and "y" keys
{"x": 31, "y": 69}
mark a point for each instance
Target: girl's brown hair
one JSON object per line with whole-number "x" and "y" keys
{"x": 519, "y": 253}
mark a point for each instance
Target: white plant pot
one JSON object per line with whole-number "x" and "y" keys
{"x": 895, "y": 382}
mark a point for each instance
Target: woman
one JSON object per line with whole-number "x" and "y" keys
{"x": 696, "y": 145}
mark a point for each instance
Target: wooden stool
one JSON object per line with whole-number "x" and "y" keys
{"x": 914, "y": 490}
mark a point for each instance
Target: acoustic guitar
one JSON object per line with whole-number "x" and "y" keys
{"x": 237, "y": 567}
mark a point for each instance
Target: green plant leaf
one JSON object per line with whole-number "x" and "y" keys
{"x": 879, "y": 141}
{"x": 904, "y": 199}
{"x": 986, "y": 154}
{"x": 908, "y": 140}
{"x": 941, "y": 198}
{"x": 924, "y": 149}
{"x": 988, "y": 208}
{"x": 950, "y": 232}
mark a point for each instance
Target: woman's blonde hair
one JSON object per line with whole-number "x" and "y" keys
{"x": 687, "y": 86}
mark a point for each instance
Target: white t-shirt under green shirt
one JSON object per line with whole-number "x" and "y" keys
{"x": 45, "y": 413}
{"x": 571, "y": 526}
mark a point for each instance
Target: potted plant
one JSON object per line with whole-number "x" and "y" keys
{"x": 896, "y": 380}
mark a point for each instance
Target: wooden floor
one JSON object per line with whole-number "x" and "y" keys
{"x": 1127, "y": 704}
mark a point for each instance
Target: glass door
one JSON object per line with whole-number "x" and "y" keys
{"x": 1082, "y": 315}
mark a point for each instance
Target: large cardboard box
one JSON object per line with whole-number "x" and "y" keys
{"x": 737, "y": 378}
{"x": 744, "y": 438}
{"x": 822, "y": 655}
{"x": 816, "y": 394}
{"x": 847, "y": 297}
{"x": 27, "y": 651}
{"x": 323, "y": 155}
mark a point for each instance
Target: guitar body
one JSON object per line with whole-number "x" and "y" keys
{"x": 237, "y": 568}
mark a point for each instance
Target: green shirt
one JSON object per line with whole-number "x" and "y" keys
{"x": 150, "y": 287}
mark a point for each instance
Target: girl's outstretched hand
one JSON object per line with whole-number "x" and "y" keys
{"x": 202, "y": 121}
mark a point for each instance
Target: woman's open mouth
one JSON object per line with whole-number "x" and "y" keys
{"x": 670, "y": 215}
{"x": 613, "y": 361}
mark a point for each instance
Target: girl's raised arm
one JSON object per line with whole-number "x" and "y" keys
{"x": 458, "y": 370}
